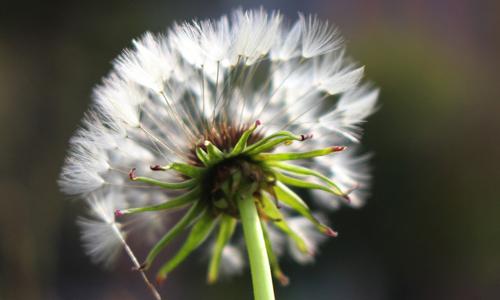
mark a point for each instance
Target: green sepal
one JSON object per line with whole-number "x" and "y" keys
{"x": 193, "y": 212}
{"x": 278, "y": 220}
{"x": 298, "y": 170}
{"x": 242, "y": 142}
{"x": 268, "y": 138}
{"x": 272, "y": 141}
{"x": 289, "y": 198}
{"x": 273, "y": 259}
{"x": 202, "y": 156}
{"x": 214, "y": 153}
{"x": 167, "y": 185}
{"x": 296, "y": 155}
{"x": 176, "y": 202}
{"x": 186, "y": 169}
{"x": 198, "y": 234}
{"x": 301, "y": 183}
{"x": 226, "y": 229}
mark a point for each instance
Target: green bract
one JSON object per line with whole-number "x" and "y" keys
{"x": 212, "y": 187}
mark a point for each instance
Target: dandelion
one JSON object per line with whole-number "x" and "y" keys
{"x": 230, "y": 121}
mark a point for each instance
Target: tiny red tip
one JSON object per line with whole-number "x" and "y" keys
{"x": 283, "y": 279}
{"x": 156, "y": 168}
{"x": 160, "y": 280}
{"x": 304, "y": 137}
{"x": 131, "y": 174}
{"x": 331, "y": 232}
{"x": 346, "y": 194}
{"x": 347, "y": 198}
{"x": 118, "y": 213}
{"x": 258, "y": 123}
{"x": 338, "y": 148}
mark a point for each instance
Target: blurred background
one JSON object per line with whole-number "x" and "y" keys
{"x": 431, "y": 229}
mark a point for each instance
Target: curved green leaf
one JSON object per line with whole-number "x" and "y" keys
{"x": 226, "y": 230}
{"x": 198, "y": 234}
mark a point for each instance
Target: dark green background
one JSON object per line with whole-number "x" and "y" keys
{"x": 431, "y": 230}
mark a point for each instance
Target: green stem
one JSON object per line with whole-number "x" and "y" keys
{"x": 256, "y": 248}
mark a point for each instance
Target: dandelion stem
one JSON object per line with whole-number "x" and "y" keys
{"x": 256, "y": 248}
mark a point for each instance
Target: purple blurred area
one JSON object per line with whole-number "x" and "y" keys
{"x": 431, "y": 229}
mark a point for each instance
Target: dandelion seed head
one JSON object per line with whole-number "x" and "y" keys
{"x": 210, "y": 107}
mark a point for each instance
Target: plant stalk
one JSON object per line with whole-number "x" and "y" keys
{"x": 256, "y": 248}
{"x": 132, "y": 256}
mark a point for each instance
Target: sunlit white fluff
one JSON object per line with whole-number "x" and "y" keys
{"x": 149, "y": 65}
{"x": 232, "y": 260}
{"x": 334, "y": 74}
{"x": 81, "y": 172}
{"x": 318, "y": 37}
{"x": 351, "y": 172}
{"x": 350, "y": 112}
{"x": 120, "y": 99}
{"x": 288, "y": 41}
{"x": 311, "y": 237}
{"x": 102, "y": 237}
{"x": 255, "y": 33}
{"x": 164, "y": 93}
{"x": 215, "y": 39}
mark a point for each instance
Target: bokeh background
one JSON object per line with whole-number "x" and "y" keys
{"x": 431, "y": 229}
